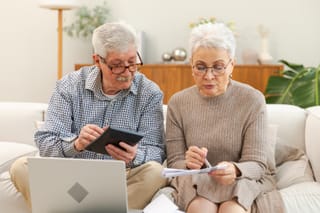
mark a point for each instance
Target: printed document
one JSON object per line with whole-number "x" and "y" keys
{"x": 171, "y": 172}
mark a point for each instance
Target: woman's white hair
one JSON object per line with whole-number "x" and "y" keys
{"x": 210, "y": 35}
{"x": 114, "y": 36}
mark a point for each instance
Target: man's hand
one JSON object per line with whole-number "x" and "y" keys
{"x": 127, "y": 155}
{"x": 87, "y": 134}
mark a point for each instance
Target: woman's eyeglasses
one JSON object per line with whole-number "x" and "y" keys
{"x": 217, "y": 69}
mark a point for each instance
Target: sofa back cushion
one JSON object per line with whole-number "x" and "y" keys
{"x": 291, "y": 123}
{"x": 18, "y": 121}
{"x": 313, "y": 139}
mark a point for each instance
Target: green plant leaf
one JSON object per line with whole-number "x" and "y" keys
{"x": 86, "y": 20}
{"x": 277, "y": 85}
{"x": 292, "y": 65}
{"x": 298, "y": 86}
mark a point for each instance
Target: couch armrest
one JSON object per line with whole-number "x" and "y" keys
{"x": 18, "y": 120}
{"x": 11, "y": 151}
{"x": 313, "y": 139}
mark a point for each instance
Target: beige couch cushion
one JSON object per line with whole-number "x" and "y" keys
{"x": 302, "y": 198}
{"x": 17, "y": 121}
{"x": 292, "y": 166}
{"x": 11, "y": 201}
{"x": 10, "y": 151}
{"x": 291, "y": 123}
{"x": 313, "y": 140}
{"x": 272, "y": 138}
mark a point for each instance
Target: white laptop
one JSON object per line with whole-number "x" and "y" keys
{"x": 68, "y": 185}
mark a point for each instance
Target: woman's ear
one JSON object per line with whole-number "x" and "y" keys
{"x": 233, "y": 62}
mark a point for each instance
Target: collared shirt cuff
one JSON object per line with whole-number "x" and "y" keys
{"x": 69, "y": 149}
{"x": 139, "y": 159}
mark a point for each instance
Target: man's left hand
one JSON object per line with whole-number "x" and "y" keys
{"x": 127, "y": 155}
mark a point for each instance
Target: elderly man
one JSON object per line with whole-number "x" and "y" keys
{"x": 110, "y": 93}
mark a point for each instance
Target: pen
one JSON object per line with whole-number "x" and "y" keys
{"x": 206, "y": 162}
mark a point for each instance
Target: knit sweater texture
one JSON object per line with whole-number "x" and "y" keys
{"x": 232, "y": 126}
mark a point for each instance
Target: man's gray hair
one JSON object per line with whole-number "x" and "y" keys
{"x": 114, "y": 36}
{"x": 210, "y": 35}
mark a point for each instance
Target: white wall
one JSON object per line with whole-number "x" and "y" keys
{"x": 28, "y": 44}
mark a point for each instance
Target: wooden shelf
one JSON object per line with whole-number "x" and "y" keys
{"x": 172, "y": 78}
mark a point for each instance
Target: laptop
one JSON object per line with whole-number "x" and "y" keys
{"x": 68, "y": 185}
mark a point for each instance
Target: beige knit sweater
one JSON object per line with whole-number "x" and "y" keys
{"x": 233, "y": 128}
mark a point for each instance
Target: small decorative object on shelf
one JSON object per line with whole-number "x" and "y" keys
{"x": 166, "y": 57}
{"x": 264, "y": 56}
{"x": 179, "y": 54}
{"x": 249, "y": 56}
{"x": 212, "y": 20}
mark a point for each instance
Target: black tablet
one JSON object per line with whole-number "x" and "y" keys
{"x": 113, "y": 136}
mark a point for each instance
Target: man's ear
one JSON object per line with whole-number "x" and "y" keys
{"x": 96, "y": 60}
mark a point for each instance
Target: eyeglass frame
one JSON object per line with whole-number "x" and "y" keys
{"x": 213, "y": 70}
{"x": 103, "y": 60}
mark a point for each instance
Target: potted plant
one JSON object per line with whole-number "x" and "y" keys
{"x": 87, "y": 19}
{"x": 299, "y": 85}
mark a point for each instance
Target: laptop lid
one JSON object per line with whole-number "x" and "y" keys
{"x": 67, "y": 185}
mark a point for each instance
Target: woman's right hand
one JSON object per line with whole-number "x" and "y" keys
{"x": 87, "y": 134}
{"x": 195, "y": 157}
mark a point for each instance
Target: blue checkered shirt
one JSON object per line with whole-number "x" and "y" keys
{"x": 78, "y": 100}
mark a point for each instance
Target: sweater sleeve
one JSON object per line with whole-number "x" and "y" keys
{"x": 253, "y": 161}
{"x": 175, "y": 141}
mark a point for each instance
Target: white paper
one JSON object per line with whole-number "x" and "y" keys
{"x": 160, "y": 205}
{"x": 170, "y": 172}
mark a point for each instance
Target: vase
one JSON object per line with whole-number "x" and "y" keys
{"x": 264, "y": 56}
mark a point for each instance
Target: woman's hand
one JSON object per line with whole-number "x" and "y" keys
{"x": 195, "y": 157}
{"x": 87, "y": 134}
{"x": 225, "y": 176}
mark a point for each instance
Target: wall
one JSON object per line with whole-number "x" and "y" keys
{"x": 29, "y": 40}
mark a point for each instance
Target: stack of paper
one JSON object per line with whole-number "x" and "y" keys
{"x": 170, "y": 172}
{"x": 161, "y": 204}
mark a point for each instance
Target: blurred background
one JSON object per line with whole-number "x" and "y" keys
{"x": 28, "y": 44}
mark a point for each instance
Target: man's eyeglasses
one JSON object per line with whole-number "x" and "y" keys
{"x": 217, "y": 69}
{"x": 120, "y": 68}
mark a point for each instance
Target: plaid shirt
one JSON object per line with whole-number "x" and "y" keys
{"x": 78, "y": 100}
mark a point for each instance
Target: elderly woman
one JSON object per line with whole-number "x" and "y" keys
{"x": 223, "y": 121}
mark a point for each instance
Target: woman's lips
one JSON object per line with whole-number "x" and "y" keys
{"x": 208, "y": 86}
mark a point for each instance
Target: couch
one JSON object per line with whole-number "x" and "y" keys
{"x": 294, "y": 129}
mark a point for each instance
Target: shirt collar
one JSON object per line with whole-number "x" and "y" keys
{"x": 93, "y": 83}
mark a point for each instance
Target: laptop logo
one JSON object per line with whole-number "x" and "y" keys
{"x": 78, "y": 192}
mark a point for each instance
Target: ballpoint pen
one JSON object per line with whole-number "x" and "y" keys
{"x": 206, "y": 162}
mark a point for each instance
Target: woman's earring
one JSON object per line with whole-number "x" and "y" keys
{"x": 230, "y": 76}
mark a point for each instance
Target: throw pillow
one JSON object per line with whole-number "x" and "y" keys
{"x": 292, "y": 166}
{"x": 271, "y": 139}
{"x": 293, "y": 172}
{"x": 284, "y": 152}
